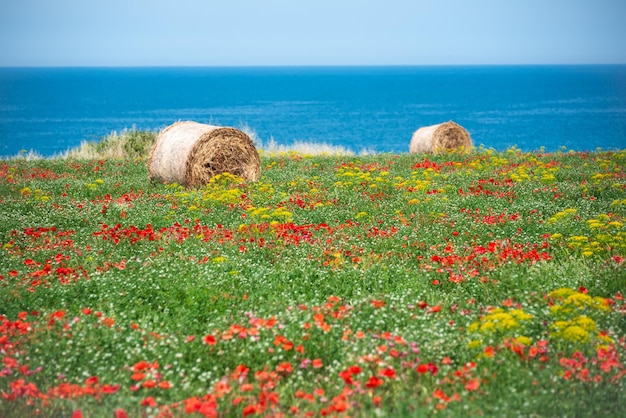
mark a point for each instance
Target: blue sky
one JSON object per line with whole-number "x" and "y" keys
{"x": 303, "y": 32}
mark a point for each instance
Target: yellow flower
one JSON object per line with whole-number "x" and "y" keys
{"x": 524, "y": 340}
{"x": 575, "y": 333}
{"x": 606, "y": 339}
{"x": 585, "y": 322}
{"x": 582, "y": 300}
{"x": 499, "y": 321}
{"x": 281, "y": 212}
{"x": 594, "y": 223}
{"x": 555, "y": 309}
{"x": 559, "y": 325}
{"x": 474, "y": 344}
{"x": 521, "y": 315}
{"x": 487, "y": 327}
{"x": 561, "y": 293}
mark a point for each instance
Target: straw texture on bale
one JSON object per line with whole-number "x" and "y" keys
{"x": 191, "y": 153}
{"x": 438, "y": 138}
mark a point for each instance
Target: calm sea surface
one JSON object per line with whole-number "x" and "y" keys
{"x": 578, "y": 107}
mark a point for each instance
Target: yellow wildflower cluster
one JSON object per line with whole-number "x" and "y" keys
{"x": 222, "y": 188}
{"x": 572, "y": 321}
{"x": 542, "y": 172}
{"x": 571, "y": 301}
{"x": 263, "y": 214}
{"x": 261, "y": 190}
{"x": 563, "y": 215}
{"x": 606, "y": 233}
{"x": 94, "y": 185}
{"x": 519, "y": 175}
{"x": 420, "y": 180}
{"x": 37, "y": 194}
{"x": 355, "y": 176}
{"x": 500, "y": 321}
{"x": 577, "y": 330}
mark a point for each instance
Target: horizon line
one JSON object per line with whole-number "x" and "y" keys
{"x": 316, "y": 65}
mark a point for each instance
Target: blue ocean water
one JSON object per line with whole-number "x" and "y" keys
{"x": 577, "y": 107}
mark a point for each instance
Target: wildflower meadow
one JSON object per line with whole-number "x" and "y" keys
{"x": 480, "y": 284}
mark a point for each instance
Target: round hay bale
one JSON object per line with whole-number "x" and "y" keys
{"x": 191, "y": 153}
{"x": 440, "y": 138}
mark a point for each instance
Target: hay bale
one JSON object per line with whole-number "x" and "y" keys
{"x": 443, "y": 137}
{"x": 191, "y": 153}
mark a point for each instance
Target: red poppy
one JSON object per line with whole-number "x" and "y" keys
{"x": 149, "y": 401}
{"x": 120, "y": 413}
{"x": 249, "y": 410}
{"x": 284, "y": 367}
{"x": 91, "y": 380}
{"x": 378, "y": 303}
{"x": 434, "y": 309}
{"x": 489, "y": 351}
{"x": 473, "y": 384}
{"x": 422, "y": 368}
{"x": 388, "y": 372}
{"x": 141, "y": 365}
{"x": 374, "y": 382}
{"x": 110, "y": 389}
{"x": 138, "y": 376}
{"x": 209, "y": 340}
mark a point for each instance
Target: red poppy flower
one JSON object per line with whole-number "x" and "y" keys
{"x": 149, "y": 401}
{"x": 110, "y": 389}
{"x": 284, "y": 367}
{"x": 209, "y": 340}
{"x": 388, "y": 372}
{"x": 138, "y": 376}
{"x": 473, "y": 384}
{"x": 120, "y": 413}
{"x": 422, "y": 368}
{"x": 374, "y": 382}
{"x": 141, "y": 365}
{"x": 91, "y": 380}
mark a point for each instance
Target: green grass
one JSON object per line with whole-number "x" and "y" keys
{"x": 377, "y": 285}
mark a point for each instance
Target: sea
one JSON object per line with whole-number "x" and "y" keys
{"x": 375, "y": 109}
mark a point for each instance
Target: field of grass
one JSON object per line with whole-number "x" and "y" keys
{"x": 484, "y": 284}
